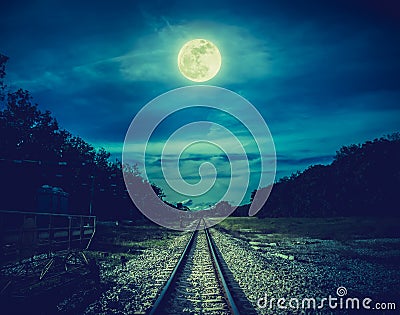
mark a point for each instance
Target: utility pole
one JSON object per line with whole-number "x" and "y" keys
{"x": 91, "y": 195}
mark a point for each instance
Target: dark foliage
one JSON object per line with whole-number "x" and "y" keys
{"x": 363, "y": 180}
{"x": 34, "y": 151}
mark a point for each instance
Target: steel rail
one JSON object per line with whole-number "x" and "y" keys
{"x": 156, "y": 309}
{"x": 162, "y": 298}
{"x": 230, "y": 301}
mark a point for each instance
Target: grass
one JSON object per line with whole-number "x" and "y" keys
{"x": 340, "y": 228}
{"x": 124, "y": 239}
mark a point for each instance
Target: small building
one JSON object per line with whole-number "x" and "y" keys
{"x": 180, "y": 206}
{"x": 52, "y": 200}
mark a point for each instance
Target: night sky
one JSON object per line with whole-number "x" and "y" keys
{"x": 322, "y": 73}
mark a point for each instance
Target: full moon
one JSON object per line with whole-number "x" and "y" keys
{"x": 199, "y": 60}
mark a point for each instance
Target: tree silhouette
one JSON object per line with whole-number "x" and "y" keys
{"x": 363, "y": 180}
{"x": 35, "y": 151}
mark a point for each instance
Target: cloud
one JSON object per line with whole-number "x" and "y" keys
{"x": 322, "y": 75}
{"x": 187, "y": 202}
{"x": 305, "y": 161}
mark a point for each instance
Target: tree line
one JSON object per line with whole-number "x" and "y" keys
{"x": 362, "y": 180}
{"x": 35, "y": 151}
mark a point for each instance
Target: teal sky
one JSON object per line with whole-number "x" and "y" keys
{"x": 322, "y": 73}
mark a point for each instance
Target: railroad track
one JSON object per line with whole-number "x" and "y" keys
{"x": 197, "y": 284}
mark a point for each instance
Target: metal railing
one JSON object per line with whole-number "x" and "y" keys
{"x": 26, "y": 234}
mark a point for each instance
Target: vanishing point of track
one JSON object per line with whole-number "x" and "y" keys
{"x": 197, "y": 284}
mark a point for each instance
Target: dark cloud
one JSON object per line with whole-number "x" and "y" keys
{"x": 324, "y": 159}
{"x": 322, "y": 73}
